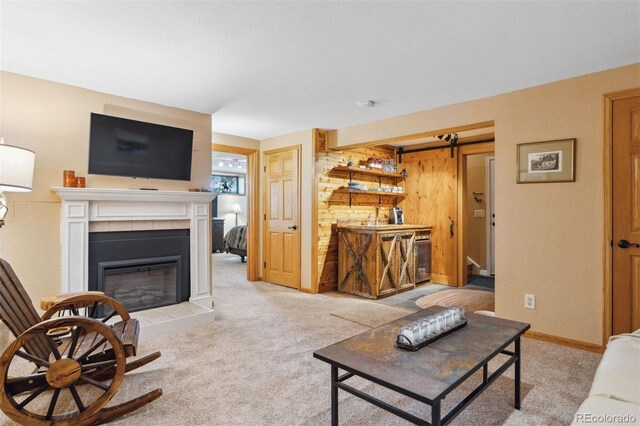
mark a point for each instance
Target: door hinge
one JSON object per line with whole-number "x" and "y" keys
{"x": 265, "y": 169}
{"x": 265, "y": 216}
{"x": 264, "y": 264}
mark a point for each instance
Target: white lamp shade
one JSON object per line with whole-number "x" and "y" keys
{"x": 235, "y": 208}
{"x": 16, "y": 168}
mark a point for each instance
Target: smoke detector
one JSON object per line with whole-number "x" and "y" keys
{"x": 367, "y": 104}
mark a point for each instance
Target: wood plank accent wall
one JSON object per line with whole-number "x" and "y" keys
{"x": 333, "y": 207}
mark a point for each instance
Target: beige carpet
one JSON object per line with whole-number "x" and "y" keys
{"x": 254, "y": 366}
{"x": 471, "y": 300}
{"x": 371, "y": 314}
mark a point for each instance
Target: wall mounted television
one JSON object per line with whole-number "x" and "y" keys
{"x": 123, "y": 147}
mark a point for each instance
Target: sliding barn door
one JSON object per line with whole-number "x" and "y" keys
{"x": 282, "y": 224}
{"x": 626, "y": 216}
{"x": 432, "y": 187}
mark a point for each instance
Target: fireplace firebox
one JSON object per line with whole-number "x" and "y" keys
{"x": 141, "y": 269}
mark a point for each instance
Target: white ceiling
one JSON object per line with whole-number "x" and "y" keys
{"x": 268, "y": 68}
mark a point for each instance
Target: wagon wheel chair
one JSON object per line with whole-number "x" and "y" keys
{"x": 65, "y": 367}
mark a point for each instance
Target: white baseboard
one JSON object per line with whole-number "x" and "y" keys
{"x": 484, "y": 273}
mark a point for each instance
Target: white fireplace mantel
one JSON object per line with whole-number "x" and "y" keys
{"x": 83, "y": 205}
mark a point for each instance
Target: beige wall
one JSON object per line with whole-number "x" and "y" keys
{"x": 475, "y": 230}
{"x": 237, "y": 141}
{"x": 549, "y": 237}
{"x": 53, "y": 120}
{"x": 305, "y": 140}
{"x": 225, "y": 201}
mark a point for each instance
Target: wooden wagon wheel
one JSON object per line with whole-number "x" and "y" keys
{"x": 90, "y": 306}
{"x": 61, "y": 371}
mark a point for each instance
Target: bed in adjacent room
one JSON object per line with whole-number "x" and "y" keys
{"x": 235, "y": 241}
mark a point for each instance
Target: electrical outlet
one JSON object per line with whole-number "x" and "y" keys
{"x": 530, "y": 301}
{"x": 478, "y": 213}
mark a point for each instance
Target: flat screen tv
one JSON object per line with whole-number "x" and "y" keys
{"x": 123, "y": 147}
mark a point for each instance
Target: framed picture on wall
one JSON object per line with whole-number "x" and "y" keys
{"x": 548, "y": 161}
{"x": 228, "y": 184}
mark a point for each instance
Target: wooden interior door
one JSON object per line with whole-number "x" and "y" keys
{"x": 626, "y": 216}
{"x": 282, "y": 213}
{"x": 432, "y": 187}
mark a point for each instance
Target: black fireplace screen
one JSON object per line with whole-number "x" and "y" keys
{"x": 141, "y": 269}
{"x": 148, "y": 283}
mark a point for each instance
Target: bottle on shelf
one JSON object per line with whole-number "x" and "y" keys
{"x": 370, "y": 220}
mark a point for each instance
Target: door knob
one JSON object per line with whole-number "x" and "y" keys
{"x": 623, "y": 244}
{"x": 294, "y": 227}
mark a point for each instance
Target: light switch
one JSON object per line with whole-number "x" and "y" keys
{"x": 478, "y": 213}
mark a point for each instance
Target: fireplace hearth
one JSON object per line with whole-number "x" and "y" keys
{"x": 141, "y": 269}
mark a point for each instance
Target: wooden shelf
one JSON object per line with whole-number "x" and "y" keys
{"x": 370, "y": 172}
{"x": 380, "y": 174}
{"x": 364, "y": 192}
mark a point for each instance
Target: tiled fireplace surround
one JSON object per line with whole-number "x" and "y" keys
{"x": 86, "y": 210}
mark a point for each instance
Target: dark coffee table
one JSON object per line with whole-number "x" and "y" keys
{"x": 429, "y": 374}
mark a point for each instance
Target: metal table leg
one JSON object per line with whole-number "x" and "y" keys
{"x": 435, "y": 413}
{"x": 517, "y": 374}
{"x": 334, "y": 395}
